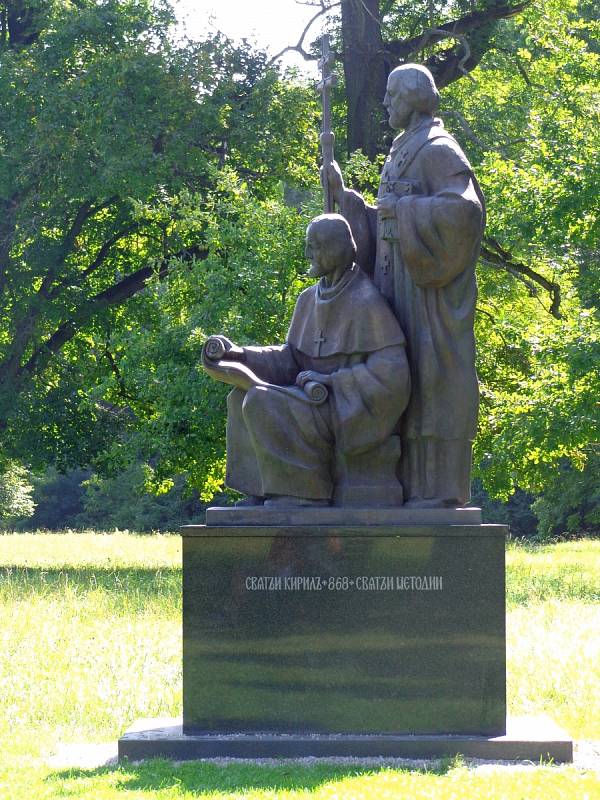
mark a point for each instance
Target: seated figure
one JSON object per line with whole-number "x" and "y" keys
{"x": 314, "y": 421}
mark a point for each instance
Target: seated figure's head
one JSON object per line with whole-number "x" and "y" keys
{"x": 410, "y": 88}
{"x": 329, "y": 245}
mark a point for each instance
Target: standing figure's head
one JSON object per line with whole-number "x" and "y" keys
{"x": 410, "y": 89}
{"x": 329, "y": 246}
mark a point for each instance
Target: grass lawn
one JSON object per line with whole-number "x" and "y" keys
{"x": 91, "y": 640}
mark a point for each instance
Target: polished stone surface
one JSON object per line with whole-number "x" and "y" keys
{"x": 530, "y": 738}
{"x": 345, "y": 630}
{"x": 341, "y": 515}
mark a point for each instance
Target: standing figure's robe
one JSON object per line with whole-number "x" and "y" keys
{"x": 278, "y": 444}
{"x": 424, "y": 264}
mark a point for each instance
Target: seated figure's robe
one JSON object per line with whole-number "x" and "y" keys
{"x": 428, "y": 276}
{"x": 279, "y": 444}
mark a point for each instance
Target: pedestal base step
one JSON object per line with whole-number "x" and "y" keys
{"x": 527, "y": 738}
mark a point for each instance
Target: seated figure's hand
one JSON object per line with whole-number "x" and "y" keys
{"x": 310, "y": 375}
{"x": 386, "y": 206}
{"x": 219, "y": 347}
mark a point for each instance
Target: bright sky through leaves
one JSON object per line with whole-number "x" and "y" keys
{"x": 271, "y": 24}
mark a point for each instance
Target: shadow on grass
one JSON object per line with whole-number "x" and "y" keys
{"x": 202, "y": 778}
{"x": 41, "y": 580}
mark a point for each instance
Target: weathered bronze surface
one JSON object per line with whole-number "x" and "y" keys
{"x": 420, "y": 245}
{"x": 335, "y": 415}
{"x": 313, "y": 421}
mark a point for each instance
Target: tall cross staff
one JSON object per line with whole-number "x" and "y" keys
{"x": 328, "y": 80}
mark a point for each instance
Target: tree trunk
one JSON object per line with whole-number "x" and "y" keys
{"x": 22, "y": 20}
{"x": 365, "y": 73}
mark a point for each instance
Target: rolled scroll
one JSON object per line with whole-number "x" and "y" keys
{"x": 316, "y": 392}
{"x": 214, "y": 348}
{"x": 237, "y": 374}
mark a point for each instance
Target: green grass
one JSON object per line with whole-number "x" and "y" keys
{"x": 90, "y": 628}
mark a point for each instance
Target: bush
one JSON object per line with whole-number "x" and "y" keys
{"x": 58, "y": 498}
{"x": 517, "y": 512}
{"x": 571, "y": 504}
{"x": 15, "y": 493}
{"x": 123, "y": 502}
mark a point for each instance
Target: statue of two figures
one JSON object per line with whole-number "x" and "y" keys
{"x": 373, "y": 398}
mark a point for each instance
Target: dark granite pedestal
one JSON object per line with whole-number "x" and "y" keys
{"x": 383, "y": 629}
{"x": 528, "y": 738}
{"x": 331, "y": 638}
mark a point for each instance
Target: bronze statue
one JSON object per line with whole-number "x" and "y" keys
{"x": 420, "y": 245}
{"x": 313, "y": 421}
{"x": 320, "y": 419}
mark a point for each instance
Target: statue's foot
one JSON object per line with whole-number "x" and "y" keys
{"x": 250, "y": 500}
{"x": 287, "y": 500}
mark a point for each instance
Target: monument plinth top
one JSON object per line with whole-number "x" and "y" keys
{"x": 339, "y": 515}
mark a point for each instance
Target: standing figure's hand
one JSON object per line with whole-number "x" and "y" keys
{"x": 333, "y": 174}
{"x": 386, "y": 206}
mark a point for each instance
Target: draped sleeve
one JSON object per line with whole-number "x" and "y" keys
{"x": 274, "y": 364}
{"x": 439, "y": 232}
{"x": 368, "y": 398}
{"x": 362, "y": 219}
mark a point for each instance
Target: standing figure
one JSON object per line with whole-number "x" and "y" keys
{"x": 420, "y": 245}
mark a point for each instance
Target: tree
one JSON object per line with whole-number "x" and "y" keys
{"x": 104, "y": 124}
{"x": 15, "y": 493}
{"x": 377, "y": 35}
{"x": 145, "y": 203}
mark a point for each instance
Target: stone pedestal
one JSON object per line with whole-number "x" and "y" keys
{"x": 528, "y": 738}
{"x": 344, "y": 629}
{"x": 348, "y": 632}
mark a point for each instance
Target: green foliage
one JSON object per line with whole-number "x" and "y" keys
{"x": 15, "y": 492}
{"x": 362, "y": 174}
{"x": 122, "y": 502}
{"x": 570, "y": 505}
{"x": 246, "y": 287}
{"x": 107, "y": 129}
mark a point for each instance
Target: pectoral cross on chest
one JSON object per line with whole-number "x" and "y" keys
{"x": 319, "y": 341}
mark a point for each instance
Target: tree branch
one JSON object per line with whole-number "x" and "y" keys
{"x": 453, "y": 63}
{"x": 86, "y": 211}
{"x": 493, "y": 254}
{"x": 101, "y": 256}
{"x": 404, "y": 48}
{"x": 299, "y": 47}
{"x": 123, "y": 390}
{"x": 470, "y": 133}
{"x": 115, "y": 295}
{"x": 25, "y": 327}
